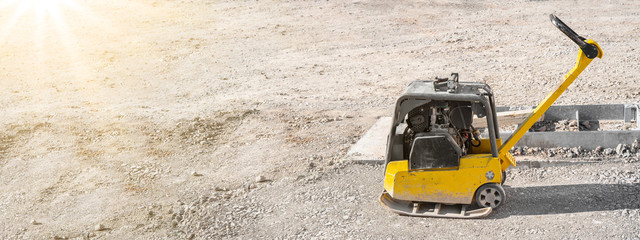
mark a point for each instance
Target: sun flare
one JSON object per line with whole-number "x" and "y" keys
{"x": 40, "y": 7}
{"x": 23, "y": 13}
{"x": 46, "y": 30}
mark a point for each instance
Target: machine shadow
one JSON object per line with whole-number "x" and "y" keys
{"x": 577, "y": 198}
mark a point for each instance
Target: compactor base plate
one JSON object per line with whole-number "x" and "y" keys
{"x": 427, "y": 209}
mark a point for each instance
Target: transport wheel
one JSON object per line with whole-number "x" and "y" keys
{"x": 504, "y": 177}
{"x": 490, "y": 195}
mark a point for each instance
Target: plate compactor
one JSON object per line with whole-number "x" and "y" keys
{"x": 437, "y": 165}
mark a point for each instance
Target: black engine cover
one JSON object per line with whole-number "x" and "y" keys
{"x": 434, "y": 150}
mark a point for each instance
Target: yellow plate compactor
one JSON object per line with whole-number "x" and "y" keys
{"x": 436, "y": 163}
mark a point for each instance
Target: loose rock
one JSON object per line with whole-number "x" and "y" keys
{"x": 635, "y": 146}
{"x": 620, "y": 149}
{"x": 607, "y": 151}
{"x": 99, "y": 227}
{"x": 598, "y": 149}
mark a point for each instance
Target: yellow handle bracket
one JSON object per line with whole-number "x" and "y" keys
{"x": 581, "y": 63}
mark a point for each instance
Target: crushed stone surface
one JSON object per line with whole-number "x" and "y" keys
{"x": 229, "y": 119}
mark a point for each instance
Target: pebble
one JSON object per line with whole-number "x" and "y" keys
{"x": 598, "y": 149}
{"x": 551, "y": 153}
{"x": 248, "y": 186}
{"x": 34, "y": 222}
{"x": 576, "y": 150}
{"x": 261, "y": 178}
{"x": 99, "y": 227}
{"x": 620, "y": 149}
{"x": 608, "y": 151}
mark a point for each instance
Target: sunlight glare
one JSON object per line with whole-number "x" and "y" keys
{"x": 42, "y": 8}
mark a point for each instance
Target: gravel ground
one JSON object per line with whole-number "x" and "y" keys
{"x": 210, "y": 119}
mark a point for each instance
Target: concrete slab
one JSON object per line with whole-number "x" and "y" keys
{"x": 585, "y": 139}
{"x": 371, "y": 148}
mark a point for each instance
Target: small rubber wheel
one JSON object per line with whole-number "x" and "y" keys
{"x": 504, "y": 177}
{"x": 490, "y": 195}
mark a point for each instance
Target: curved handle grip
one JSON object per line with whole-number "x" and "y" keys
{"x": 589, "y": 50}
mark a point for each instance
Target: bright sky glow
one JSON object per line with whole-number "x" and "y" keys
{"x": 41, "y": 7}
{"x": 45, "y": 29}
{"x": 43, "y": 12}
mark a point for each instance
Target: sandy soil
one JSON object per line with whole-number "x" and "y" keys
{"x": 155, "y": 119}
